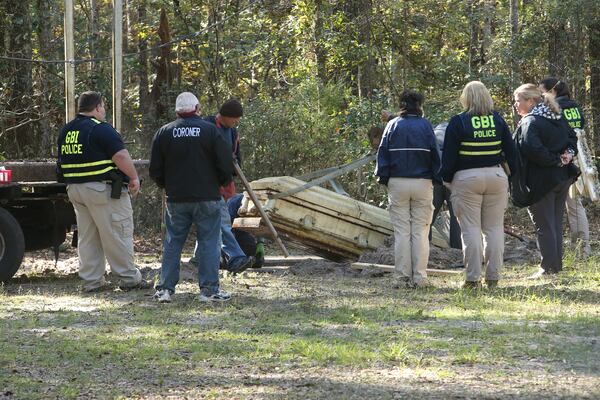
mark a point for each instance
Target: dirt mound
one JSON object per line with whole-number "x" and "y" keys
{"x": 319, "y": 267}
{"x": 515, "y": 252}
{"x": 438, "y": 257}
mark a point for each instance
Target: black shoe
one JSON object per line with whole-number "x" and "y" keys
{"x": 243, "y": 266}
{"x": 259, "y": 260}
{"x": 140, "y": 286}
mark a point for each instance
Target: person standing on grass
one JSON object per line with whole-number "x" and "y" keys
{"x": 441, "y": 195}
{"x": 548, "y": 144}
{"x": 572, "y": 113}
{"x": 190, "y": 159}
{"x": 226, "y": 120}
{"x": 91, "y": 154}
{"x": 477, "y": 143}
{"x": 407, "y": 163}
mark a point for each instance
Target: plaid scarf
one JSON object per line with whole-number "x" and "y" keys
{"x": 542, "y": 110}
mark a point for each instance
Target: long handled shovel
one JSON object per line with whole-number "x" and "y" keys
{"x": 262, "y": 212}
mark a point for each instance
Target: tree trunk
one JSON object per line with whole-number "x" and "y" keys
{"x": 514, "y": 32}
{"x": 594, "y": 54}
{"x": 93, "y": 66}
{"x": 162, "y": 83}
{"x": 473, "y": 37}
{"x": 557, "y": 51}
{"x": 126, "y": 25}
{"x": 486, "y": 39}
{"x": 359, "y": 12}
{"x": 21, "y": 89}
{"x": 320, "y": 53}
{"x": 44, "y": 32}
{"x": 367, "y": 78}
{"x": 216, "y": 61}
{"x": 142, "y": 70}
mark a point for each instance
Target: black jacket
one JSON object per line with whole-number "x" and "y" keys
{"x": 190, "y": 159}
{"x": 541, "y": 141}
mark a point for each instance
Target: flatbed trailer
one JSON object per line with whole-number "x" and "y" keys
{"x": 35, "y": 212}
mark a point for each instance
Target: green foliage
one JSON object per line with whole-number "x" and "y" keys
{"x": 304, "y": 130}
{"x": 312, "y": 74}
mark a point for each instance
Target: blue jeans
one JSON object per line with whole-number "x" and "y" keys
{"x": 206, "y": 216}
{"x": 235, "y": 256}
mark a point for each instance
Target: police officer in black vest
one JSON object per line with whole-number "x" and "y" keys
{"x": 99, "y": 172}
{"x": 572, "y": 113}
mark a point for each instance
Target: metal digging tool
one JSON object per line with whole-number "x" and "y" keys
{"x": 262, "y": 212}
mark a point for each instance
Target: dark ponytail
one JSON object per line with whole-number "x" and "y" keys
{"x": 561, "y": 87}
{"x": 411, "y": 102}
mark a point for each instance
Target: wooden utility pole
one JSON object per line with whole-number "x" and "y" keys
{"x": 69, "y": 65}
{"x": 117, "y": 62}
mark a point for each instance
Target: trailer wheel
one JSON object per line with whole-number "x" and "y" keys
{"x": 12, "y": 245}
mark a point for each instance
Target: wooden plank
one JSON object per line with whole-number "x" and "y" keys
{"x": 341, "y": 170}
{"x": 279, "y": 261}
{"x": 390, "y": 268}
{"x": 252, "y": 225}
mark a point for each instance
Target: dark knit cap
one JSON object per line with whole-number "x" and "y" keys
{"x": 232, "y": 108}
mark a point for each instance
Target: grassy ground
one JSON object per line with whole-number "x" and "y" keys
{"x": 306, "y": 333}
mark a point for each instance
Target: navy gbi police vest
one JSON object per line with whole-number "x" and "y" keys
{"x": 85, "y": 148}
{"x": 571, "y": 111}
{"x": 475, "y": 141}
{"x": 480, "y": 137}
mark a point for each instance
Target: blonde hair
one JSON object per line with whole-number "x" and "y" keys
{"x": 476, "y": 99}
{"x": 529, "y": 91}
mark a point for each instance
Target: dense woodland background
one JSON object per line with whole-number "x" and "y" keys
{"x": 313, "y": 74}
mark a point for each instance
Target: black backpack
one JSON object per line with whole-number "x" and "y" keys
{"x": 520, "y": 192}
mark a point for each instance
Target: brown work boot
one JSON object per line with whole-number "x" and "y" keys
{"x": 471, "y": 285}
{"x": 491, "y": 283}
{"x": 402, "y": 283}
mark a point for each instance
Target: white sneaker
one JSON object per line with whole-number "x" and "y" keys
{"x": 163, "y": 296}
{"x": 219, "y": 296}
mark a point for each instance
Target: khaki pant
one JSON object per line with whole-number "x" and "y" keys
{"x": 578, "y": 222}
{"x": 411, "y": 209}
{"x": 480, "y": 197}
{"x": 105, "y": 229}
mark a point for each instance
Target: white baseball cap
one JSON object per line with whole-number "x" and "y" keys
{"x": 186, "y": 102}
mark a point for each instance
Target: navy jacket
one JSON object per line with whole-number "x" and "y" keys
{"x": 85, "y": 150}
{"x": 476, "y": 141}
{"x": 571, "y": 111}
{"x": 408, "y": 150}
